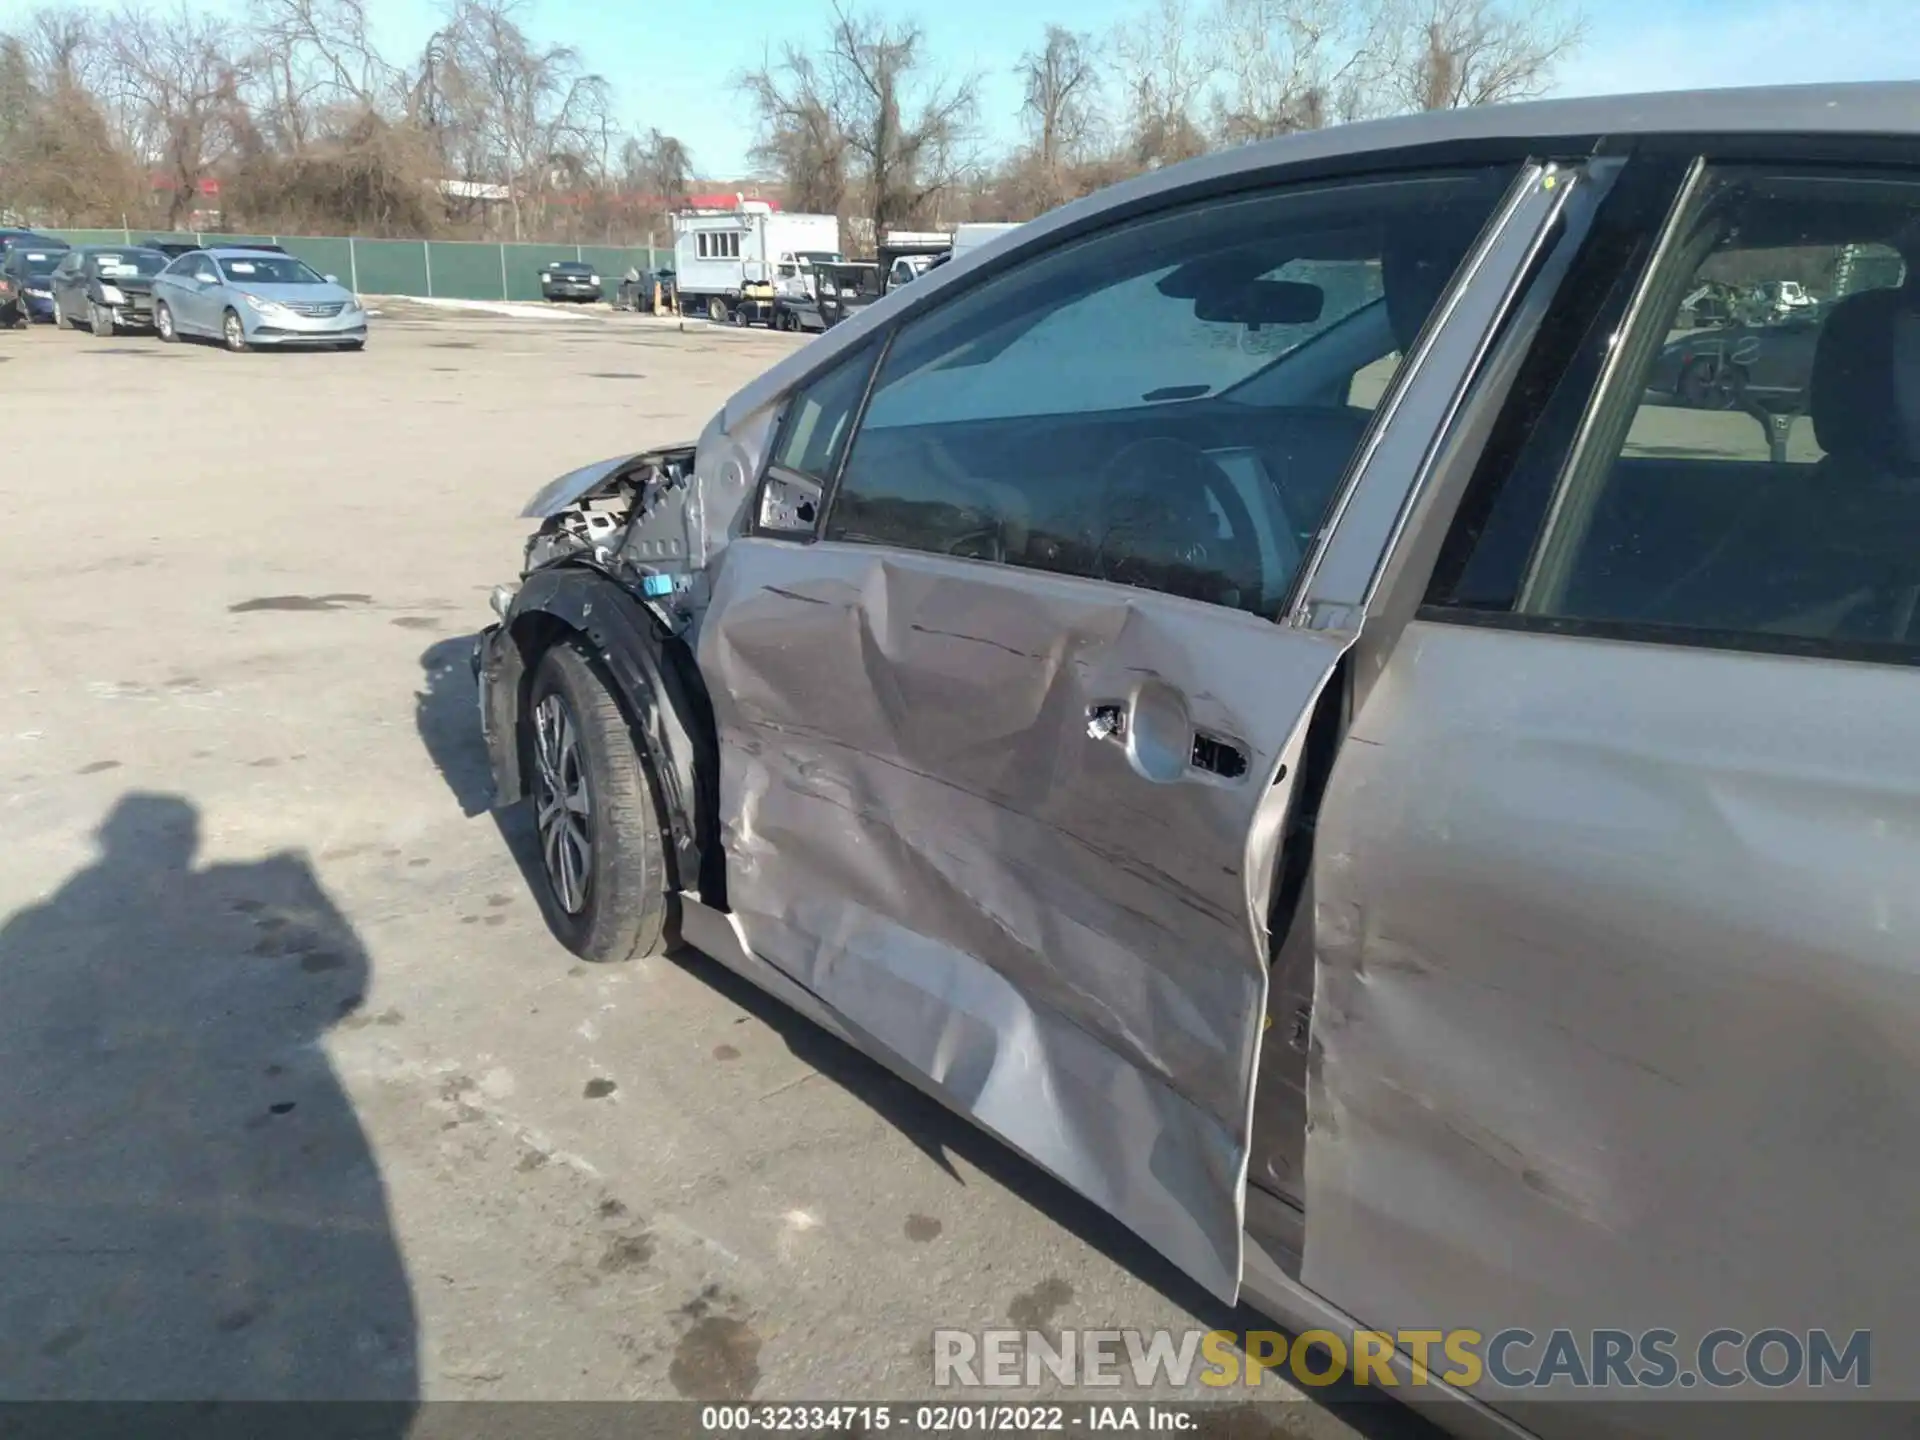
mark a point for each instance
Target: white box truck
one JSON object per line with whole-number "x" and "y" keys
{"x": 728, "y": 263}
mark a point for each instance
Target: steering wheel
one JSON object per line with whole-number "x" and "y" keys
{"x": 1155, "y": 528}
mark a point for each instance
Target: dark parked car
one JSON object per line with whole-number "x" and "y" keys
{"x": 29, "y": 263}
{"x": 172, "y": 249}
{"x": 9, "y": 235}
{"x": 1207, "y": 687}
{"x": 105, "y": 288}
{"x": 569, "y": 280}
{"x": 1737, "y": 366}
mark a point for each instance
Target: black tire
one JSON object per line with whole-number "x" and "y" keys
{"x": 1710, "y": 384}
{"x": 717, "y": 310}
{"x": 100, "y": 321}
{"x": 163, "y": 325}
{"x": 233, "y": 333}
{"x": 620, "y": 904}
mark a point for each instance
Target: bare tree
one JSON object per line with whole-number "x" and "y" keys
{"x": 305, "y": 122}
{"x": 1061, "y": 103}
{"x": 865, "y": 114}
{"x": 524, "y": 113}
{"x": 63, "y": 163}
{"x": 18, "y": 95}
{"x": 181, "y": 75}
{"x": 906, "y": 163}
{"x": 1289, "y": 65}
{"x": 1061, "y": 114}
{"x": 801, "y": 140}
{"x": 658, "y": 167}
{"x": 1443, "y": 54}
{"x": 1165, "y": 63}
{"x": 318, "y": 68}
{"x": 61, "y": 45}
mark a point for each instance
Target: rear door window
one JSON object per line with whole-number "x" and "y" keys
{"x": 1748, "y": 472}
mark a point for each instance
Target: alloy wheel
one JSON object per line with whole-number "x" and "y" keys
{"x": 563, "y": 805}
{"x": 236, "y": 333}
{"x": 1712, "y": 385}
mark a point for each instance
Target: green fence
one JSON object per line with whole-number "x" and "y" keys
{"x": 434, "y": 269}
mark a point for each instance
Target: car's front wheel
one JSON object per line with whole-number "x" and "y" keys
{"x": 102, "y": 319}
{"x": 1711, "y": 384}
{"x": 163, "y": 323}
{"x": 233, "y": 332}
{"x": 603, "y": 860}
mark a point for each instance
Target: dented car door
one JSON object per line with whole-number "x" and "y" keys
{"x": 1010, "y": 681}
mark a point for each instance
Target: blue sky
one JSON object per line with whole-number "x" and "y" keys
{"x": 671, "y": 61}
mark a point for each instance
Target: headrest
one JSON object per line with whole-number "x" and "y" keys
{"x": 1864, "y": 394}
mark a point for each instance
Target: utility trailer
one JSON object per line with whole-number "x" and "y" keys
{"x": 906, "y": 255}
{"x": 724, "y": 258}
{"x": 975, "y": 234}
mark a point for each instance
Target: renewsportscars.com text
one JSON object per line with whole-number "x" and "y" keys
{"x": 1514, "y": 1359}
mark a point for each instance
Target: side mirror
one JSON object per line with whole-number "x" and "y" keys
{"x": 331, "y": 279}
{"x": 789, "y": 504}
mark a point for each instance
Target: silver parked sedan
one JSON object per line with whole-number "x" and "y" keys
{"x": 247, "y": 297}
{"x": 1237, "y": 689}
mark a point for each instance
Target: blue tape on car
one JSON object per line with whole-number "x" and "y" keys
{"x": 654, "y": 586}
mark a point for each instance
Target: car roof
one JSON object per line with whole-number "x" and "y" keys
{"x": 1879, "y": 108}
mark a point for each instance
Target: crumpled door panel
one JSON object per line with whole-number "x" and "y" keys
{"x": 1057, "y": 929}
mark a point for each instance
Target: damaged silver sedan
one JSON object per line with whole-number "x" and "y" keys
{"x": 1239, "y": 690}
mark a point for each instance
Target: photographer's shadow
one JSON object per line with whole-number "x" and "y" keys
{"x": 188, "y": 1206}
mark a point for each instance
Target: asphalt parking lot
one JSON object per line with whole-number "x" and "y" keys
{"x": 302, "y": 1100}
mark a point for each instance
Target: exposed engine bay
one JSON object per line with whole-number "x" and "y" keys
{"x": 630, "y": 521}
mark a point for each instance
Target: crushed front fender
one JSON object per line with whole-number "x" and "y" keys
{"x": 655, "y": 680}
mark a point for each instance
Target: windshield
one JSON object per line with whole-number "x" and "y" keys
{"x": 268, "y": 270}
{"x": 818, "y": 257}
{"x": 1134, "y": 341}
{"x": 129, "y": 262}
{"x": 40, "y": 263}
{"x": 572, "y": 267}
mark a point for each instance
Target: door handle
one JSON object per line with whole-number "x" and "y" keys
{"x": 1167, "y": 745}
